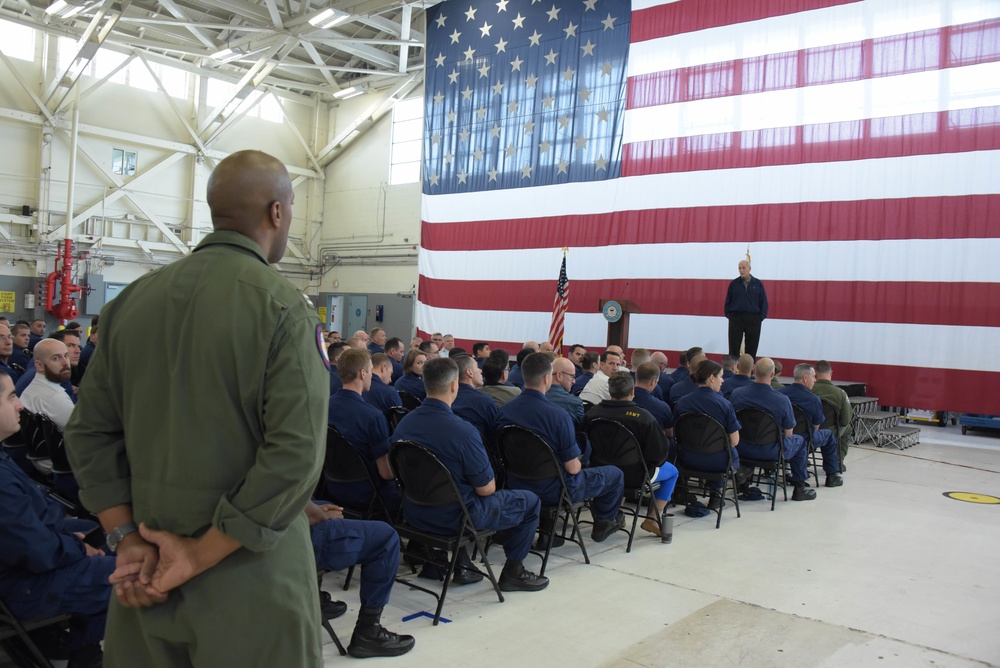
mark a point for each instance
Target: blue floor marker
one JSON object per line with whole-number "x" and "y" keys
{"x": 424, "y": 613}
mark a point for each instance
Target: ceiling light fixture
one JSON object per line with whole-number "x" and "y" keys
{"x": 65, "y": 10}
{"x": 328, "y": 18}
{"x": 347, "y": 93}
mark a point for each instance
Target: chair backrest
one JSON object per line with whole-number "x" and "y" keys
{"x": 803, "y": 426}
{"x": 343, "y": 463}
{"x": 831, "y": 415}
{"x": 697, "y": 432}
{"x": 526, "y": 455}
{"x": 759, "y": 427}
{"x": 34, "y": 438}
{"x": 56, "y": 444}
{"x": 423, "y": 479}
{"x": 410, "y": 401}
{"x": 394, "y": 415}
{"x": 613, "y": 444}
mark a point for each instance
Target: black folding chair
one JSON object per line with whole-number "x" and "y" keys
{"x": 613, "y": 444}
{"x": 394, "y": 415}
{"x": 410, "y": 401}
{"x": 702, "y": 434}
{"x": 16, "y": 641}
{"x": 425, "y": 481}
{"x": 804, "y": 428}
{"x": 343, "y": 464}
{"x": 527, "y": 456}
{"x": 34, "y": 438}
{"x": 760, "y": 428}
{"x": 325, "y": 621}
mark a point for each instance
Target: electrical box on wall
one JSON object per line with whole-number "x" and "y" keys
{"x": 29, "y": 301}
{"x": 379, "y": 312}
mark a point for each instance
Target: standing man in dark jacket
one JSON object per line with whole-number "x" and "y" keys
{"x": 746, "y": 308}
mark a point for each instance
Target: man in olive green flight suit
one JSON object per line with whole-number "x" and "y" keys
{"x": 825, "y": 389}
{"x": 201, "y": 421}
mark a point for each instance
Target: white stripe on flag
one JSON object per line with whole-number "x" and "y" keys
{"x": 950, "y": 174}
{"x": 915, "y": 93}
{"x": 916, "y": 260}
{"x": 804, "y": 30}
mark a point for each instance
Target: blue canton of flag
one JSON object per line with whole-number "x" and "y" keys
{"x": 523, "y": 93}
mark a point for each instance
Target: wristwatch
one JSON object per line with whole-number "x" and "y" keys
{"x": 118, "y": 534}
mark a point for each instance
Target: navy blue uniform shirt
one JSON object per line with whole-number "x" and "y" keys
{"x": 746, "y": 297}
{"x": 477, "y": 409}
{"x": 368, "y": 431}
{"x": 800, "y": 396}
{"x": 514, "y": 377}
{"x": 581, "y": 382}
{"x": 413, "y": 384}
{"x": 659, "y": 409}
{"x": 335, "y": 383}
{"x": 737, "y": 381}
{"x": 768, "y": 399}
{"x": 533, "y": 411}
{"x": 375, "y": 348}
{"x": 459, "y": 447}
{"x": 381, "y": 396}
{"x": 711, "y": 403}
{"x": 681, "y": 388}
{"x": 397, "y": 371}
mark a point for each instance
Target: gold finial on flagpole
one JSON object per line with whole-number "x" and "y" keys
{"x": 565, "y": 250}
{"x": 748, "y": 254}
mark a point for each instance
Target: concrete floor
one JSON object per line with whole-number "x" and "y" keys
{"x": 884, "y": 571}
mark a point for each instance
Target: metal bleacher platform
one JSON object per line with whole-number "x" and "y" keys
{"x": 880, "y": 428}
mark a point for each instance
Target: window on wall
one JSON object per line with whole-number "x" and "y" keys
{"x": 267, "y": 109}
{"x": 18, "y": 41}
{"x": 134, "y": 75}
{"x": 123, "y": 162}
{"x": 407, "y": 133}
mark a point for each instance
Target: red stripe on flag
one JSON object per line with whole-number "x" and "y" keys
{"x": 969, "y": 217}
{"x": 823, "y": 142}
{"x": 854, "y": 61}
{"x": 912, "y": 386}
{"x": 959, "y": 304}
{"x": 691, "y": 15}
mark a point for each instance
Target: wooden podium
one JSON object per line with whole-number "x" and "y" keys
{"x": 617, "y": 312}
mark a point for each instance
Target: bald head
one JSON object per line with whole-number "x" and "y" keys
{"x": 250, "y": 192}
{"x": 52, "y": 360}
{"x": 564, "y": 372}
{"x": 763, "y": 371}
{"x": 744, "y": 365}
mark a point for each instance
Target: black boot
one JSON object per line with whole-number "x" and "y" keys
{"x": 515, "y": 578}
{"x": 546, "y": 530}
{"x": 331, "y": 609}
{"x": 370, "y": 638}
{"x": 465, "y": 572}
{"x": 90, "y": 656}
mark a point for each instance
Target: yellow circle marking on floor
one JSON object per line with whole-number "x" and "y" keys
{"x": 972, "y": 497}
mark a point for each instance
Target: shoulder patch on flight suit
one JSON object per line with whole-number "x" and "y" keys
{"x": 321, "y": 346}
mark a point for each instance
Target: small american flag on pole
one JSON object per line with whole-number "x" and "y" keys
{"x": 559, "y": 307}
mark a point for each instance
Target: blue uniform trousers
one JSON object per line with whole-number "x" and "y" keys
{"x": 795, "y": 454}
{"x": 80, "y": 589}
{"x": 604, "y": 484}
{"x": 824, "y": 441}
{"x": 340, "y": 544}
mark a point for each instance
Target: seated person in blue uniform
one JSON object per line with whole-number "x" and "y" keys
{"x": 589, "y": 363}
{"x": 474, "y": 407}
{"x": 728, "y": 367}
{"x": 576, "y": 353}
{"x": 396, "y": 350}
{"x": 339, "y": 544}
{"x": 742, "y": 377}
{"x": 430, "y": 349}
{"x": 563, "y": 377}
{"x": 366, "y": 428}
{"x": 412, "y": 381}
{"x": 378, "y": 340}
{"x": 707, "y": 400}
{"x": 514, "y": 376}
{"x": 665, "y": 380}
{"x": 381, "y": 395}
{"x": 800, "y": 394}
{"x": 761, "y": 395}
{"x": 481, "y": 351}
{"x": 647, "y": 431}
{"x": 21, "y": 355}
{"x": 647, "y": 376}
{"x": 45, "y": 567}
{"x": 334, "y": 351}
{"x": 685, "y": 386}
{"x": 459, "y": 447}
{"x": 684, "y": 368}
{"x": 6, "y": 351}
{"x": 603, "y": 484}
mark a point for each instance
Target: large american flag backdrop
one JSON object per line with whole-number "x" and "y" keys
{"x": 854, "y": 146}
